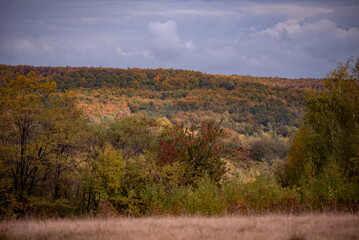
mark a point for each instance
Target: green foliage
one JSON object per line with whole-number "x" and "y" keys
{"x": 329, "y": 190}
{"x": 251, "y": 191}
{"x": 42, "y": 207}
{"x": 332, "y": 116}
{"x": 107, "y": 177}
{"x": 264, "y": 194}
{"x": 268, "y": 148}
{"x": 133, "y": 135}
{"x": 7, "y": 196}
{"x": 298, "y": 156}
{"x": 323, "y": 159}
{"x": 204, "y": 199}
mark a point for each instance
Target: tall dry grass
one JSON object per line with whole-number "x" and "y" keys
{"x": 228, "y": 227}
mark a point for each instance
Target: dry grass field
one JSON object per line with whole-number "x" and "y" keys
{"x": 230, "y": 227}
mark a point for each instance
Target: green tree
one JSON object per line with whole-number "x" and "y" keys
{"x": 102, "y": 179}
{"x": 327, "y": 141}
{"x": 133, "y": 135}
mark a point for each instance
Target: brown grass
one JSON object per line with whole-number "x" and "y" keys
{"x": 230, "y": 227}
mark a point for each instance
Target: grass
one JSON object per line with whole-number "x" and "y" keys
{"x": 301, "y": 227}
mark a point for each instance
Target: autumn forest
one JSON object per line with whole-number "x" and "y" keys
{"x": 79, "y": 141}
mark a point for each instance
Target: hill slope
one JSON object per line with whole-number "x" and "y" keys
{"x": 262, "y": 113}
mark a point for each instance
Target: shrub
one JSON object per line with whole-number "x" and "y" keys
{"x": 329, "y": 190}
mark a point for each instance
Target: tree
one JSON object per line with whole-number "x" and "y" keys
{"x": 133, "y": 135}
{"x": 102, "y": 177}
{"x": 330, "y": 130}
{"x": 40, "y": 138}
{"x": 199, "y": 151}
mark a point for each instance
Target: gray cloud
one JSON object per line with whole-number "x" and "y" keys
{"x": 165, "y": 41}
{"x": 260, "y": 38}
{"x": 291, "y": 11}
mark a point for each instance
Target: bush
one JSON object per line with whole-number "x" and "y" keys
{"x": 329, "y": 190}
{"x": 247, "y": 193}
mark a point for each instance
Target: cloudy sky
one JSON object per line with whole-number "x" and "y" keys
{"x": 258, "y": 38}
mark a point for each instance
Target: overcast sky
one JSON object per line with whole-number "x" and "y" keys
{"x": 258, "y": 38}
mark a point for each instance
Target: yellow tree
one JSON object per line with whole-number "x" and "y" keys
{"x": 39, "y": 137}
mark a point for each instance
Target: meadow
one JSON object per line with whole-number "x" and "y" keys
{"x": 302, "y": 227}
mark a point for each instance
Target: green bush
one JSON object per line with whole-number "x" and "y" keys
{"x": 329, "y": 190}
{"x": 246, "y": 193}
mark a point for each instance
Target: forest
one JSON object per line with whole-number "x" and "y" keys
{"x": 261, "y": 114}
{"x": 138, "y": 142}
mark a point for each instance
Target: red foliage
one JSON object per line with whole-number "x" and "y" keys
{"x": 249, "y": 116}
{"x": 237, "y": 87}
{"x": 168, "y": 152}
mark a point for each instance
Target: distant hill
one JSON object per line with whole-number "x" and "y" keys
{"x": 153, "y": 79}
{"x": 261, "y": 112}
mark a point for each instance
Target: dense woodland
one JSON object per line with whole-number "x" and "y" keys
{"x": 261, "y": 114}
{"x": 100, "y": 141}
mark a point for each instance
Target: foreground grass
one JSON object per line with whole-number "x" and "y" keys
{"x": 229, "y": 227}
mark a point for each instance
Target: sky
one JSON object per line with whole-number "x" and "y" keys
{"x": 259, "y": 38}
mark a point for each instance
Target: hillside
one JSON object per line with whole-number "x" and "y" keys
{"x": 260, "y": 113}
